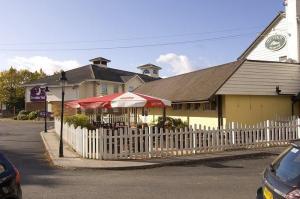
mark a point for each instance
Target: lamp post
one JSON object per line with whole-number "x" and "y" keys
{"x": 46, "y": 89}
{"x": 63, "y": 80}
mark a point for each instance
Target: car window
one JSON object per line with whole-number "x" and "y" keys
{"x": 287, "y": 167}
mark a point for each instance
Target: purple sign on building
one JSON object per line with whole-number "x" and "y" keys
{"x": 37, "y": 94}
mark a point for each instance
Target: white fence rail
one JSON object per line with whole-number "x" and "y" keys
{"x": 132, "y": 143}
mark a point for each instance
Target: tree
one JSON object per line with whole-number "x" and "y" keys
{"x": 12, "y": 91}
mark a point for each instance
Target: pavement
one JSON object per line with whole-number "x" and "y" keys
{"x": 72, "y": 160}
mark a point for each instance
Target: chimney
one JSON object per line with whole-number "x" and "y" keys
{"x": 150, "y": 70}
{"x": 292, "y": 9}
{"x": 100, "y": 61}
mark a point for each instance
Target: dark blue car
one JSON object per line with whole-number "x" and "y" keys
{"x": 282, "y": 177}
{"x": 10, "y": 187}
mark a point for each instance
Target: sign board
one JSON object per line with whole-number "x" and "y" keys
{"x": 37, "y": 94}
{"x": 42, "y": 114}
{"x": 275, "y": 42}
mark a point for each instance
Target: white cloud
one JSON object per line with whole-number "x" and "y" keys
{"x": 48, "y": 65}
{"x": 179, "y": 63}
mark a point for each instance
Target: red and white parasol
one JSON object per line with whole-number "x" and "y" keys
{"x": 120, "y": 100}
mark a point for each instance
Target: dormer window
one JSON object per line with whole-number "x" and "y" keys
{"x": 146, "y": 72}
{"x": 150, "y": 70}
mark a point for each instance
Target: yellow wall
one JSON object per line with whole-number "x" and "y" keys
{"x": 254, "y": 109}
{"x": 236, "y": 108}
{"x": 208, "y": 118}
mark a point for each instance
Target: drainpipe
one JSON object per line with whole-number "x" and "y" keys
{"x": 220, "y": 111}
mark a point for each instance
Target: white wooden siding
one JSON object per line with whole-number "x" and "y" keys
{"x": 261, "y": 78}
{"x": 262, "y": 53}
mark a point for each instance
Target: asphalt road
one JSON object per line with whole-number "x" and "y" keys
{"x": 21, "y": 142}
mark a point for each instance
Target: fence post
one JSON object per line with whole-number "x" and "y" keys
{"x": 268, "y": 132}
{"x": 298, "y": 128}
{"x": 194, "y": 139}
{"x": 232, "y": 134}
{"x": 150, "y": 137}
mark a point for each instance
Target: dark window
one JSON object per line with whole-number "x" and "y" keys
{"x": 197, "y": 106}
{"x": 213, "y": 106}
{"x": 146, "y": 71}
{"x": 177, "y": 106}
{"x": 155, "y": 72}
{"x": 96, "y": 62}
{"x": 104, "y": 89}
{"x": 174, "y": 106}
{"x": 116, "y": 88}
{"x": 188, "y": 106}
{"x": 209, "y": 106}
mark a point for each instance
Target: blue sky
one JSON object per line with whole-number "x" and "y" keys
{"x": 34, "y": 32}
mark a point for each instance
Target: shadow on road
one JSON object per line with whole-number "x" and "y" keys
{"x": 22, "y": 144}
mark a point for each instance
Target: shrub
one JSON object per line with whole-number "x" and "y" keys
{"x": 22, "y": 117}
{"x": 171, "y": 123}
{"x": 23, "y": 112}
{"x": 78, "y": 120}
{"x": 33, "y": 115}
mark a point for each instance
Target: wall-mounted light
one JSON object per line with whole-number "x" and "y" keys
{"x": 278, "y": 91}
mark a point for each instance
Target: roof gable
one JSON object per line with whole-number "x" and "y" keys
{"x": 262, "y": 35}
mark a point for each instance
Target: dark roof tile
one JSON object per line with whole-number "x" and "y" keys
{"x": 88, "y": 72}
{"x": 194, "y": 86}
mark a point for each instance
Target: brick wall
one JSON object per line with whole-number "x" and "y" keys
{"x": 34, "y": 106}
{"x": 56, "y": 109}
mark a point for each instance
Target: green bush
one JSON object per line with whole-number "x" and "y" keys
{"x": 33, "y": 115}
{"x": 171, "y": 123}
{"x": 78, "y": 120}
{"x": 23, "y": 112}
{"x": 22, "y": 117}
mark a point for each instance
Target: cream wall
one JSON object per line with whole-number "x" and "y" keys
{"x": 254, "y": 109}
{"x": 110, "y": 88}
{"x": 87, "y": 89}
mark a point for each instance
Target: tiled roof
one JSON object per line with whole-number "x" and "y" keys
{"x": 194, "y": 86}
{"x": 90, "y": 72}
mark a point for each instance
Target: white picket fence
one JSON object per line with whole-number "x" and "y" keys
{"x": 132, "y": 143}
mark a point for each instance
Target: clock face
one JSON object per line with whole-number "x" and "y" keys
{"x": 275, "y": 42}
